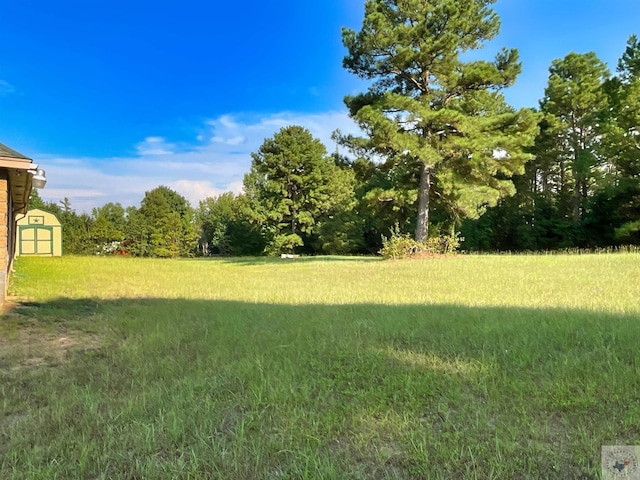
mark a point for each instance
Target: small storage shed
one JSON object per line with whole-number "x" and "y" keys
{"x": 39, "y": 233}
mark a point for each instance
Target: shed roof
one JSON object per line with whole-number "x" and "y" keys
{"x": 51, "y": 219}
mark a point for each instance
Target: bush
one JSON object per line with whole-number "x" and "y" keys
{"x": 283, "y": 244}
{"x": 402, "y": 245}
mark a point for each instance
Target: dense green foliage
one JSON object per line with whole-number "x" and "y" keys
{"x": 294, "y": 188}
{"x": 582, "y": 189}
{"x": 442, "y": 151}
{"x": 163, "y": 226}
{"x": 428, "y": 106}
{"x": 226, "y": 227}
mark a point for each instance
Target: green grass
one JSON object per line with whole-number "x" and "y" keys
{"x": 467, "y": 367}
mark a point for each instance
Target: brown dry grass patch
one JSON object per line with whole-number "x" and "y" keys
{"x": 28, "y": 343}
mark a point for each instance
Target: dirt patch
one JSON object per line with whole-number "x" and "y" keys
{"x": 27, "y": 343}
{"x": 13, "y": 421}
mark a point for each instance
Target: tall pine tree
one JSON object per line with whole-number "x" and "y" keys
{"x": 575, "y": 102}
{"x": 427, "y": 103}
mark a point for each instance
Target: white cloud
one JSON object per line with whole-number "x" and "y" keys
{"x": 155, "y": 146}
{"x": 6, "y": 88}
{"x": 236, "y": 187}
{"x": 229, "y": 141}
{"x": 195, "y": 171}
{"x": 227, "y": 121}
{"x": 76, "y": 193}
{"x": 195, "y": 190}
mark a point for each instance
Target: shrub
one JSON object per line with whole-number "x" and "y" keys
{"x": 402, "y": 245}
{"x": 282, "y": 243}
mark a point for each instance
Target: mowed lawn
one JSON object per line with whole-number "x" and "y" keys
{"x": 487, "y": 367}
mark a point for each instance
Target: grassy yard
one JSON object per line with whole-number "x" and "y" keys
{"x": 488, "y": 367}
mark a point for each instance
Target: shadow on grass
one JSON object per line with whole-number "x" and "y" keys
{"x": 279, "y": 260}
{"x": 310, "y": 391}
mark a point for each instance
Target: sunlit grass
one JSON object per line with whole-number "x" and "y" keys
{"x": 418, "y": 360}
{"x": 467, "y": 367}
{"x": 590, "y": 282}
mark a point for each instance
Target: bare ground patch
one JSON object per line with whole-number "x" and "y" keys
{"x": 28, "y": 343}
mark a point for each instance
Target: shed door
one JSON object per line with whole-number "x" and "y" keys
{"x": 36, "y": 240}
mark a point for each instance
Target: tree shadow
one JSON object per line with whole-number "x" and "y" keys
{"x": 385, "y": 391}
{"x": 279, "y": 260}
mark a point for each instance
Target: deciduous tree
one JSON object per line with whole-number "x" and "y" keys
{"x": 292, "y": 184}
{"x": 226, "y": 226}
{"x": 163, "y": 226}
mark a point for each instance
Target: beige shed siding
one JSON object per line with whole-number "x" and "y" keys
{"x": 39, "y": 233}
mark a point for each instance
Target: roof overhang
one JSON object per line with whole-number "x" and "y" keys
{"x": 20, "y": 174}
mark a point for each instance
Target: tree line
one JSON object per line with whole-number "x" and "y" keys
{"x": 582, "y": 186}
{"x": 442, "y": 154}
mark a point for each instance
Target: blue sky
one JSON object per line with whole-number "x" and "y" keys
{"x": 115, "y": 98}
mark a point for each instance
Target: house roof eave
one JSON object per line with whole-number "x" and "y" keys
{"x": 19, "y": 173}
